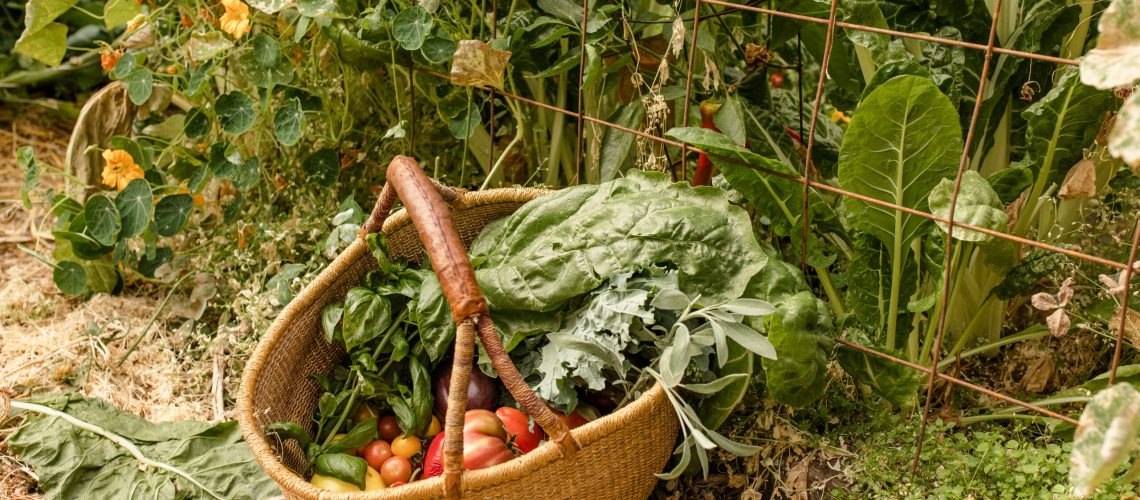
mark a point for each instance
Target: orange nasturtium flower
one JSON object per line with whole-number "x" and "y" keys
{"x": 109, "y": 57}
{"x": 236, "y": 19}
{"x": 120, "y": 170}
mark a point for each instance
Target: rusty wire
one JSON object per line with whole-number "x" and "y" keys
{"x": 948, "y": 264}
{"x": 806, "y": 179}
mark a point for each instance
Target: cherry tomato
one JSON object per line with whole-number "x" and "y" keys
{"x": 376, "y": 453}
{"x": 397, "y": 483}
{"x": 776, "y": 79}
{"x": 526, "y": 434}
{"x": 363, "y": 412}
{"x": 372, "y": 480}
{"x": 389, "y": 428}
{"x": 333, "y": 484}
{"x": 434, "y": 428}
{"x": 406, "y": 446}
{"x": 395, "y": 470}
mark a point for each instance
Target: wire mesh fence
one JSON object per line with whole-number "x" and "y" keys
{"x": 808, "y": 178}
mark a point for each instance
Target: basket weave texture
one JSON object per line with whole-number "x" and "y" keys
{"x": 620, "y": 452}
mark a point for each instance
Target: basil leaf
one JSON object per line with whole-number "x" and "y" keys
{"x": 347, "y": 468}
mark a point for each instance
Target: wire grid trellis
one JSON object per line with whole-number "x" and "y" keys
{"x": 807, "y": 176}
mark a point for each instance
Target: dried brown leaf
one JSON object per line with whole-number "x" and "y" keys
{"x": 1080, "y": 182}
{"x": 1044, "y": 301}
{"x": 1058, "y": 323}
{"x": 1039, "y": 375}
{"x": 476, "y": 63}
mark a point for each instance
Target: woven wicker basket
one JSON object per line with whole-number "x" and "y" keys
{"x": 615, "y": 456}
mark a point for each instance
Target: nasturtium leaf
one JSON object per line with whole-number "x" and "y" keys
{"x": 288, "y": 122}
{"x": 140, "y": 84}
{"x": 977, "y": 205}
{"x": 315, "y": 8}
{"x": 117, "y": 12}
{"x": 222, "y": 163}
{"x": 1113, "y": 62}
{"x": 366, "y": 316}
{"x": 438, "y": 50}
{"x": 411, "y": 26}
{"x": 102, "y": 217}
{"x": 47, "y": 45}
{"x": 149, "y": 264}
{"x": 203, "y": 47}
{"x": 197, "y": 124}
{"x": 1105, "y": 437}
{"x": 323, "y": 166}
{"x": 171, "y": 213}
{"x": 69, "y": 277}
{"x": 136, "y": 205}
{"x": 235, "y": 112}
{"x": 477, "y": 63}
{"x": 266, "y": 50}
{"x": 246, "y": 173}
{"x": 465, "y": 123}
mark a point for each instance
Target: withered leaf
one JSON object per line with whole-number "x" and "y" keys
{"x": 476, "y": 63}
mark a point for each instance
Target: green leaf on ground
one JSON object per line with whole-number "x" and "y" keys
{"x": 69, "y": 277}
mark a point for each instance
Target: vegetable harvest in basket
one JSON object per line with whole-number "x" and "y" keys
{"x": 598, "y": 292}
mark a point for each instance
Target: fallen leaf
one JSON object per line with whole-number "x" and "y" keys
{"x": 1038, "y": 376}
{"x": 476, "y": 63}
{"x": 1058, "y": 323}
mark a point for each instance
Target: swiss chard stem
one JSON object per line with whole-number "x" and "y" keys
{"x": 1033, "y": 332}
{"x": 896, "y": 282}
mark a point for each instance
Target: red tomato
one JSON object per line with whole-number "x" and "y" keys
{"x": 484, "y": 444}
{"x": 376, "y": 453}
{"x": 526, "y": 434}
{"x": 397, "y": 483}
{"x": 776, "y": 79}
{"x": 389, "y": 428}
{"x": 573, "y": 420}
{"x": 395, "y": 470}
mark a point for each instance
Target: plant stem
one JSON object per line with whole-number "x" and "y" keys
{"x": 502, "y": 156}
{"x": 343, "y": 415}
{"x": 1033, "y": 332}
{"x": 829, "y": 288}
{"x": 114, "y": 438}
{"x": 973, "y": 419}
{"x": 896, "y": 283}
{"x": 153, "y": 316}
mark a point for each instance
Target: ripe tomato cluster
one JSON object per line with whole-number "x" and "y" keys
{"x": 395, "y": 458}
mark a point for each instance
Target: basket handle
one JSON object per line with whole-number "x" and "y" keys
{"x": 426, "y": 203}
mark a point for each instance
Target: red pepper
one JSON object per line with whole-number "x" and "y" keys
{"x": 484, "y": 444}
{"x": 703, "y": 175}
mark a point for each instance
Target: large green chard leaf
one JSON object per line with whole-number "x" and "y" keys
{"x": 1105, "y": 437}
{"x": 902, "y": 141}
{"x": 1061, "y": 125}
{"x": 1124, "y": 140}
{"x": 1113, "y": 62}
{"x": 977, "y": 205}
{"x": 566, "y": 243}
{"x": 869, "y": 284}
{"x": 75, "y": 463}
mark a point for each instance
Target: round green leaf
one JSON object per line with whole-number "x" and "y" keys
{"x": 245, "y": 174}
{"x": 222, "y": 163}
{"x": 69, "y": 277}
{"x": 438, "y": 50}
{"x": 235, "y": 112}
{"x": 266, "y": 50}
{"x": 322, "y": 166}
{"x": 140, "y": 83}
{"x": 171, "y": 213}
{"x": 197, "y": 124}
{"x": 102, "y": 218}
{"x": 135, "y": 205}
{"x": 464, "y": 124}
{"x": 411, "y": 26}
{"x": 288, "y": 121}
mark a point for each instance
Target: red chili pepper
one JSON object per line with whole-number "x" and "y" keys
{"x": 703, "y": 175}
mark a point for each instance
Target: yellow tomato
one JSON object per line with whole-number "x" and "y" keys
{"x": 434, "y": 428}
{"x": 333, "y": 484}
{"x": 373, "y": 481}
{"x": 406, "y": 446}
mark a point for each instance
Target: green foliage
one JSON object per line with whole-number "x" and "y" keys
{"x": 71, "y": 462}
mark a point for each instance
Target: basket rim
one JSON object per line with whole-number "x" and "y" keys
{"x": 473, "y": 480}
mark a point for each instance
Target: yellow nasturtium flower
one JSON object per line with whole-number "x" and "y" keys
{"x": 839, "y": 116}
{"x": 236, "y": 19}
{"x": 120, "y": 169}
